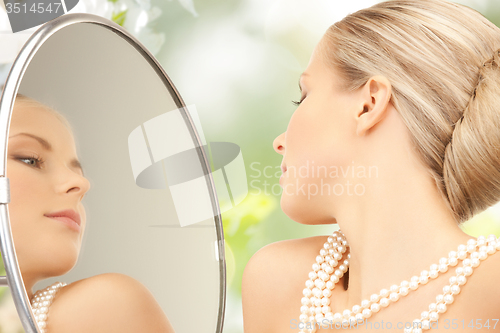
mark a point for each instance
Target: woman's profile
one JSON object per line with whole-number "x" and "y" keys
{"x": 399, "y": 119}
{"x": 48, "y": 220}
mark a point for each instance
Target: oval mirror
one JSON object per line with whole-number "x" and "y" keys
{"x": 151, "y": 208}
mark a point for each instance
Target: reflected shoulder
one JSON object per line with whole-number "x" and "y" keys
{"x": 108, "y": 302}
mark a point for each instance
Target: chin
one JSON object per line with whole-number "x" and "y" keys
{"x": 304, "y": 211}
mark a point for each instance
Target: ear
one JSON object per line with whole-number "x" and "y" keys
{"x": 375, "y": 98}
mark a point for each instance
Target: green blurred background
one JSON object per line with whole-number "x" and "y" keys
{"x": 239, "y": 62}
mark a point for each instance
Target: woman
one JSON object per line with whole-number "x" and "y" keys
{"x": 403, "y": 99}
{"x": 48, "y": 221}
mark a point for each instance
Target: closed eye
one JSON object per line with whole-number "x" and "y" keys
{"x": 298, "y": 103}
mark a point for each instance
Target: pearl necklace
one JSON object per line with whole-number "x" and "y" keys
{"x": 325, "y": 274}
{"x": 40, "y": 303}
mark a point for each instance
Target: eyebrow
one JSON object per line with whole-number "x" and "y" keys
{"x": 45, "y": 144}
{"x": 300, "y": 78}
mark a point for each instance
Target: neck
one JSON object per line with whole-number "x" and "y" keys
{"x": 394, "y": 232}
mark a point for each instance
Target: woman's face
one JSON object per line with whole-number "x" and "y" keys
{"x": 318, "y": 146}
{"x": 45, "y": 178}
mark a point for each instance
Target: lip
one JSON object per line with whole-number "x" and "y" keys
{"x": 283, "y": 168}
{"x": 69, "y": 217}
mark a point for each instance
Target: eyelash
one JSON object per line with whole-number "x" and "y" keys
{"x": 298, "y": 103}
{"x": 32, "y": 157}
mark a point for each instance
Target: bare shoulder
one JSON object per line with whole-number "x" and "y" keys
{"x": 108, "y": 302}
{"x": 275, "y": 277}
{"x": 483, "y": 285}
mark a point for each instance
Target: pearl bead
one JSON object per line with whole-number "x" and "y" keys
{"x": 315, "y": 267}
{"x": 413, "y": 285}
{"x": 405, "y": 284}
{"x": 433, "y": 316}
{"x": 424, "y": 315}
{"x": 384, "y": 293}
{"x": 483, "y": 255}
{"x": 439, "y": 298}
{"x": 346, "y": 313}
{"x": 356, "y": 309}
{"x": 446, "y": 290}
{"x": 453, "y": 261}
{"x": 455, "y": 289}
{"x": 462, "y": 254}
{"x": 441, "y": 308}
{"x": 384, "y": 302}
{"x": 305, "y": 301}
{"x": 367, "y": 313}
{"x": 433, "y": 274}
{"x": 319, "y": 284}
{"x": 374, "y": 298}
{"x": 327, "y": 292}
{"x": 394, "y": 297}
{"x": 309, "y": 284}
{"x": 304, "y": 309}
{"x": 330, "y": 285}
{"x": 475, "y": 262}
{"x": 448, "y": 299}
{"x": 426, "y": 324}
{"x": 375, "y": 307}
{"x": 404, "y": 291}
{"x": 432, "y": 307}
{"x": 424, "y": 279}
{"x": 443, "y": 268}
{"x": 461, "y": 280}
{"x": 467, "y": 271}
{"x": 365, "y": 303}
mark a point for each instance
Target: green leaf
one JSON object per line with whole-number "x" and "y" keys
{"x": 119, "y": 18}
{"x": 113, "y": 1}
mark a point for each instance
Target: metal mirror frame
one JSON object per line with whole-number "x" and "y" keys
{"x": 13, "y": 278}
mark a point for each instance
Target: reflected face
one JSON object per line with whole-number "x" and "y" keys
{"x": 45, "y": 181}
{"x": 317, "y": 145}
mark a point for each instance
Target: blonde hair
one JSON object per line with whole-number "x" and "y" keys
{"x": 442, "y": 61}
{"x": 25, "y": 100}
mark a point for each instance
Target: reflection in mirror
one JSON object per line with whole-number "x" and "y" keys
{"x": 48, "y": 221}
{"x": 80, "y": 212}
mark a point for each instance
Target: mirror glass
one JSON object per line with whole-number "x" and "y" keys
{"x": 147, "y": 212}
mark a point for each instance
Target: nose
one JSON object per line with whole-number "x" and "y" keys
{"x": 75, "y": 183}
{"x": 278, "y": 143}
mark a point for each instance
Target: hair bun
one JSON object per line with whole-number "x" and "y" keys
{"x": 471, "y": 168}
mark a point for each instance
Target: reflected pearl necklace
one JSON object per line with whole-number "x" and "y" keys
{"x": 325, "y": 274}
{"x": 40, "y": 303}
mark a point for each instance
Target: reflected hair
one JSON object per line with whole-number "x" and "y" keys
{"x": 20, "y": 98}
{"x": 442, "y": 60}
